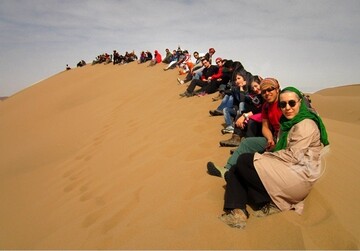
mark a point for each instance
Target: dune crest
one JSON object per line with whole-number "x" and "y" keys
{"x": 109, "y": 157}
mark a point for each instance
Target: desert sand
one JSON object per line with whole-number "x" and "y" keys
{"x": 109, "y": 157}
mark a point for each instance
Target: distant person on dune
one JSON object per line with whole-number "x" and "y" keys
{"x": 168, "y": 56}
{"x": 157, "y": 58}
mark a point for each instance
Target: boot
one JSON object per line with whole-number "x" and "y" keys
{"x": 216, "y": 113}
{"x": 234, "y": 141}
{"x": 218, "y": 97}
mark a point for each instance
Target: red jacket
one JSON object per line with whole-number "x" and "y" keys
{"x": 158, "y": 57}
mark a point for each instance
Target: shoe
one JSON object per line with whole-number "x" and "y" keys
{"x": 228, "y": 129}
{"x": 218, "y": 97}
{"x": 216, "y": 113}
{"x": 180, "y": 81}
{"x": 235, "y": 218}
{"x": 232, "y": 142}
{"x": 186, "y": 94}
{"x": 268, "y": 209}
{"x": 215, "y": 171}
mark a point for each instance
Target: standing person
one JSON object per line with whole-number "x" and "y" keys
{"x": 280, "y": 180}
{"x": 270, "y": 114}
{"x": 207, "y": 73}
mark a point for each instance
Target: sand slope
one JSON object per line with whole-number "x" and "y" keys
{"x": 109, "y": 157}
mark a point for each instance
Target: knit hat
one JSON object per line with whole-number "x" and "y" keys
{"x": 269, "y": 82}
{"x": 218, "y": 59}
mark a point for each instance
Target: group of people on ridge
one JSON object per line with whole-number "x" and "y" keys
{"x": 279, "y": 138}
{"x": 278, "y": 135}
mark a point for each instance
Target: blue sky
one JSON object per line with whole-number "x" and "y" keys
{"x": 312, "y": 44}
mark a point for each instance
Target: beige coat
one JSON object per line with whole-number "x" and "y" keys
{"x": 289, "y": 174}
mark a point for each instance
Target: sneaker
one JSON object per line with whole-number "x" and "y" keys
{"x": 235, "y": 218}
{"x": 180, "y": 81}
{"x": 216, "y": 113}
{"x": 215, "y": 171}
{"x": 232, "y": 142}
{"x": 228, "y": 129}
{"x": 268, "y": 209}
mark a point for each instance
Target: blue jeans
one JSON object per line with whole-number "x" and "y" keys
{"x": 229, "y": 112}
{"x": 247, "y": 145}
{"x": 197, "y": 75}
{"x": 227, "y": 101}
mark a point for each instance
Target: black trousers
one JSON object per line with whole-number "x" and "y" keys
{"x": 244, "y": 185}
{"x": 212, "y": 87}
{"x": 194, "y": 83}
{"x": 252, "y": 129}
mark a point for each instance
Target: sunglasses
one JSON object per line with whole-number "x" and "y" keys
{"x": 291, "y": 103}
{"x": 270, "y": 89}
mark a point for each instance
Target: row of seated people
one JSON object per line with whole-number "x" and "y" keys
{"x": 260, "y": 171}
{"x": 279, "y": 138}
{"x": 123, "y": 59}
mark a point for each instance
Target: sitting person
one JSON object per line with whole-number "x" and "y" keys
{"x": 116, "y": 57}
{"x": 177, "y": 55}
{"x": 270, "y": 115}
{"x": 168, "y": 57}
{"x": 279, "y": 180}
{"x": 157, "y": 58}
{"x": 148, "y": 56}
{"x": 232, "y": 96}
{"x": 221, "y": 77}
{"x": 197, "y": 67}
{"x": 248, "y": 121}
{"x": 206, "y": 76}
{"x": 142, "y": 57}
{"x": 209, "y": 54}
{"x": 81, "y": 63}
{"x": 185, "y": 63}
{"x": 232, "y": 67}
{"x": 242, "y": 80}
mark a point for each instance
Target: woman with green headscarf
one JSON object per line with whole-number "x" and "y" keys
{"x": 280, "y": 180}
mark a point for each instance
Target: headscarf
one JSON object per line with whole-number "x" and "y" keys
{"x": 304, "y": 113}
{"x": 269, "y": 82}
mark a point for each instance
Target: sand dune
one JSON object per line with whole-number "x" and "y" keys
{"x": 109, "y": 157}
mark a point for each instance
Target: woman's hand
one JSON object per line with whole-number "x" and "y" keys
{"x": 240, "y": 122}
{"x": 270, "y": 145}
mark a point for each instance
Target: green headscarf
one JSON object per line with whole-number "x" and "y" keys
{"x": 304, "y": 113}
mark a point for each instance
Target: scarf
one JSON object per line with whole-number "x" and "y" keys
{"x": 304, "y": 113}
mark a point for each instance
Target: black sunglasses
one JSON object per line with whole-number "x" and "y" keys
{"x": 291, "y": 103}
{"x": 270, "y": 89}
